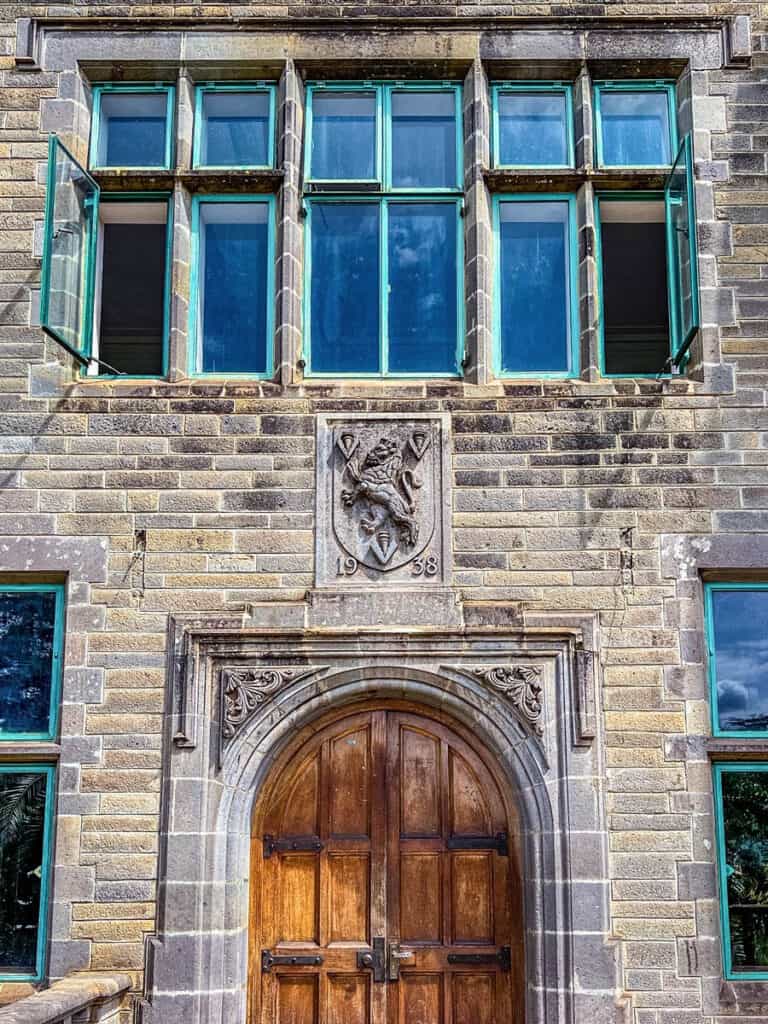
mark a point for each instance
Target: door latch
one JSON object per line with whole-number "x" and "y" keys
{"x": 374, "y": 959}
{"x": 396, "y": 956}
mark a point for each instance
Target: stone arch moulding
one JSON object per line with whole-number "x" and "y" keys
{"x": 237, "y": 695}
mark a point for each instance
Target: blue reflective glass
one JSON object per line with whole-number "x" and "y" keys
{"x": 533, "y": 129}
{"x": 740, "y": 628}
{"x": 343, "y": 136}
{"x": 423, "y": 300}
{"x": 23, "y": 797}
{"x": 235, "y": 129}
{"x": 27, "y": 634}
{"x": 534, "y": 281}
{"x": 345, "y": 288}
{"x": 424, "y": 140}
{"x": 635, "y": 129}
{"x": 232, "y": 282}
{"x": 132, "y": 129}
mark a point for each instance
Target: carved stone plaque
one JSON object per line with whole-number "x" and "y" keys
{"x": 382, "y": 501}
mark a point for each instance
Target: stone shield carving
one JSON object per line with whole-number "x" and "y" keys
{"x": 381, "y": 501}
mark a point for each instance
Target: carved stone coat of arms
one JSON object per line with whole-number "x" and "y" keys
{"x": 381, "y": 505}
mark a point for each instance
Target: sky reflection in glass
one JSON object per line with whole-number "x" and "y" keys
{"x": 132, "y": 129}
{"x": 345, "y": 287}
{"x": 233, "y": 274}
{"x": 635, "y": 129}
{"x": 533, "y": 129}
{"x": 343, "y": 136}
{"x": 27, "y": 632}
{"x": 740, "y": 639}
{"x": 422, "y": 288}
{"x": 534, "y": 281}
{"x": 424, "y": 140}
{"x": 235, "y": 129}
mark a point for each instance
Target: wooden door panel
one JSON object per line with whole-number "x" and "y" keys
{"x": 472, "y": 898}
{"x": 421, "y": 911}
{"x": 348, "y": 999}
{"x": 349, "y": 783}
{"x": 349, "y": 897}
{"x": 301, "y": 804}
{"x": 420, "y": 781}
{"x": 421, "y": 999}
{"x": 296, "y": 1000}
{"x": 473, "y": 998}
{"x": 298, "y": 888}
{"x": 469, "y": 810}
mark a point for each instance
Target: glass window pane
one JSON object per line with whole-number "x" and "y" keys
{"x": 344, "y": 136}
{"x": 681, "y": 229}
{"x": 71, "y": 208}
{"x": 534, "y": 283}
{"x": 232, "y": 275}
{"x": 22, "y": 847}
{"x": 424, "y": 140}
{"x": 740, "y": 640}
{"x": 533, "y": 130}
{"x": 345, "y": 288}
{"x": 745, "y": 812}
{"x": 27, "y": 632}
{"x": 635, "y": 128}
{"x": 132, "y": 129}
{"x": 235, "y": 129}
{"x": 423, "y": 300}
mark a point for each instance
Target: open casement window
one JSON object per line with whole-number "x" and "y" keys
{"x": 69, "y": 242}
{"x": 682, "y": 261}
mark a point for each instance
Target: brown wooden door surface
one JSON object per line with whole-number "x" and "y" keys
{"x": 381, "y": 892}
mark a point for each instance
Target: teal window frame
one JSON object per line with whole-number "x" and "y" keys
{"x": 49, "y": 770}
{"x": 573, "y": 284}
{"x": 383, "y": 162}
{"x": 383, "y": 202}
{"x": 145, "y": 197}
{"x": 564, "y": 88}
{"x": 662, "y": 85}
{"x": 679, "y": 345}
{"x": 194, "y": 286}
{"x": 718, "y": 770}
{"x": 233, "y": 87}
{"x": 83, "y": 352}
{"x": 57, "y": 660}
{"x": 709, "y": 622}
{"x": 110, "y": 88}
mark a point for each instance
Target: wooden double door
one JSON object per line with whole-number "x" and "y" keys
{"x": 385, "y": 885}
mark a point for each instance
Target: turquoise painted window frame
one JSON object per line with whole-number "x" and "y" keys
{"x": 662, "y": 86}
{"x": 49, "y": 770}
{"x": 57, "y": 660}
{"x": 146, "y": 197}
{"x": 573, "y": 284}
{"x": 718, "y": 770}
{"x": 233, "y": 87}
{"x": 83, "y": 353}
{"x": 110, "y": 88}
{"x": 709, "y": 621}
{"x": 383, "y": 162}
{"x": 194, "y": 287}
{"x": 681, "y": 343}
{"x": 564, "y": 88}
{"x": 633, "y": 197}
{"x": 383, "y": 202}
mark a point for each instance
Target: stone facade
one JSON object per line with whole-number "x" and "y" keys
{"x": 585, "y": 507}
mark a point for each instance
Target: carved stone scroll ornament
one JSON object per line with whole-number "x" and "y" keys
{"x": 520, "y": 685}
{"x": 245, "y": 690}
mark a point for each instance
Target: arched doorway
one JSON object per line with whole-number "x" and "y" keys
{"x": 385, "y": 883}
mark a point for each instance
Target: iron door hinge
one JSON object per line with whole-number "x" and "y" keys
{"x": 503, "y": 958}
{"x": 301, "y": 844}
{"x": 498, "y": 843}
{"x": 270, "y": 960}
